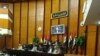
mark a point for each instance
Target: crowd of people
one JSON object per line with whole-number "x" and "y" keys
{"x": 55, "y": 47}
{"x": 47, "y": 47}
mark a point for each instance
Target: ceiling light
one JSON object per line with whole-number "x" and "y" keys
{"x": 82, "y": 23}
{"x": 98, "y": 22}
{"x": 4, "y": 7}
{"x": 39, "y": 28}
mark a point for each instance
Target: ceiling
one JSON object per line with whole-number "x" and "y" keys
{"x": 93, "y": 16}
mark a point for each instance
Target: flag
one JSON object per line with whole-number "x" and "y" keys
{"x": 75, "y": 42}
{"x": 74, "y": 39}
{"x": 65, "y": 38}
{"x": 46, "y": 37}
{"x": 44, "y": 40}
{"x": 41, "y": 40}
{"x": 70, "y": 40}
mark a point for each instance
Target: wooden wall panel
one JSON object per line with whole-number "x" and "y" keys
{"x": 63, "y": 7}
{"x": 55, "y": 7}
{"x": 9, "y": 42}
{"x": 2, "y": 43}
{"x": 23, "y": 23}
{"x": 4, "y": 23}
{"x": 40, "y": 17}
{"x": 98, "y": 42}
{"x": 16, "y": 24}
{"x": 92, "y": 28}
{"x": 47, "y": 17}
{"x": 98, "y": 45}
{"x": 81, "y": 28}
{"x": 31, "y": 27}
{"x": 91, "y": 40}
{"x": 73, "y": 16}
{"x": 4, "y": 11}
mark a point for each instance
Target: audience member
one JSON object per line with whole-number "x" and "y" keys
{"x": 50, "y": 50}
{"x": 20, "y": 47}
{"x": 40, "y": 47}
{"x": 57, "y": 50}
{"x": 34, "y": 48}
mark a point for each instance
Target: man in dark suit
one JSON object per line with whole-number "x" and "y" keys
{"x": 40, "y": 47}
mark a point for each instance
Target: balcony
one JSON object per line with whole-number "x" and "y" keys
{"x": 6, "y": 19}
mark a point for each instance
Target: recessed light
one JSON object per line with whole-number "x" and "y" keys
{"x": 39, "y": 28}
{"x": 98, "y": 22}
{"x": 82, "y": 23}
{"x": 4, "y": 7}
